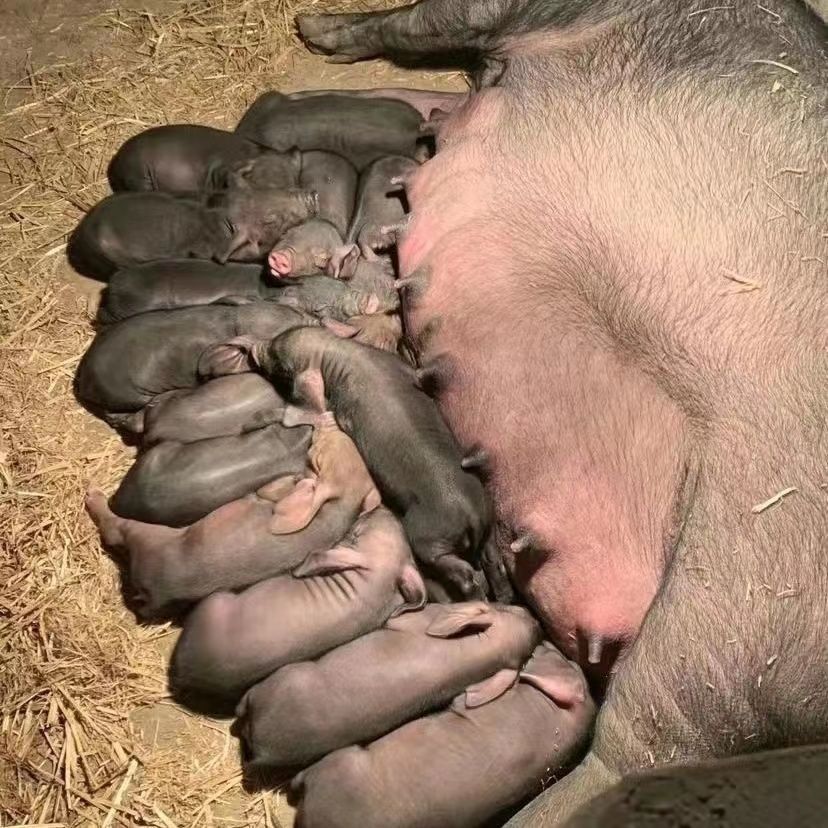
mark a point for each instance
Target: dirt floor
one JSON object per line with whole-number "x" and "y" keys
{"x": 88, "y": 735}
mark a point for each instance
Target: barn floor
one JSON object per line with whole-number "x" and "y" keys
{"x": 88, "y": 735}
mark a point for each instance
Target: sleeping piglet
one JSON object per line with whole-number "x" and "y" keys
{"x": 222, "y": 407}
{"x": 362, "y": 690}
{"x": 306, "y": 249}
{"x": 236, "y": 545}
{"x": 186, "y": 158}
{"x": 358, "y": 128}
{"x": 269, "y": 169}
{"x": 460, "y": 768}
{"x": 231, "y": 641}
{"x": 130, "y": 228}
{"x": 408, "y": 448}
{"x": 259, "y": 216}
{"x": 180, "y": 283}
{"x": 130, "y": 363}
{"x": 176, "y": 484}
{"x": 189, "y": 282}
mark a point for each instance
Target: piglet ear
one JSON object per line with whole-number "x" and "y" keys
{"x": 278, "y": 488}
{"x": 236, "y": 241}
{"x": 343, "y": 262}
{"x": 341, "y": 329}
{"x": 329, "y": 562}
{"x": 555, "y": 677}
{"x": 413, "y": 590}
{"x": 372, "y": 501}
{"x": 233, "y": 357}
{"x": 473, "y": 616}
{"x": 298, "y": 508}
{"x": 486, "y": 691}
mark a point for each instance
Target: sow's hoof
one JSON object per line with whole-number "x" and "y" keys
{"x": 339, "y": 36}
{"x": 782, "y": 787}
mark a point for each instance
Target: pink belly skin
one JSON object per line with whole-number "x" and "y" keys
{"x": 586, "y": 453}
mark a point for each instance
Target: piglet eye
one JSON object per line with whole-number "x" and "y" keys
{"x": 230, "y": 227}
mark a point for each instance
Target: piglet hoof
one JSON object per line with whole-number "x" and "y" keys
{"x": 339, "y": 36}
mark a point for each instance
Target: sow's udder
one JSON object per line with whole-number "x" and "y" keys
{"x": 583, "y": 534}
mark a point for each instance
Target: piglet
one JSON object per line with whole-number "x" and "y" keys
{"x": 178, "y": 158}
{"x": 305, "y": 250}
{"x": 236, "y": 545}
{"x": 379, "y": 330}
{"x": 409, "y": 450}
{"x": 181, "y": 283}
{"x": 258, "y": 217}
{"x": 126, "y": 229}
{"x": 328, "y": 298}
{"x": 379, "y": 204}
{"x": 418, "y": 662}
{"x": 222, "y": 407}
{"x": 460, "y": 768}
{"x": 358, "y": 128}
{"x": 176, "y": 484}
{"x": 231, "y": 641}
{"x": 130, "y": 363}
{"x": 370, "y": 275}
{"x": 268, "y": 170}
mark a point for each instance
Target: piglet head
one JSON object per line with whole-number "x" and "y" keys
{"x": 256, "y": 219}
{"x": 376, "y": 542}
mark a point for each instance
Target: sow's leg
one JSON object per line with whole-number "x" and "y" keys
{"x": 619, "y": 252}
{"x": 431, "y": 27}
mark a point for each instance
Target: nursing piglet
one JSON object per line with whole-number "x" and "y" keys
{"x": 236, "y": 545}
{"x": 460, "y": 768}
{"x": 231, "y": 641}
{"x": 418, "y": 662}
{"x": 176, "y": 484}
{"x": 379, "y": 204}
{"x": 409, "y": 450}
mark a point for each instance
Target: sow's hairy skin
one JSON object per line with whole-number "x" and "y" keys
{"x": 620, "y": 247}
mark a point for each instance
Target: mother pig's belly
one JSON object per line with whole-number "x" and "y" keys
{"x": 585, "y": 453}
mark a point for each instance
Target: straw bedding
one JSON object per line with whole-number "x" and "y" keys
{"x": 87, "y": 733}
